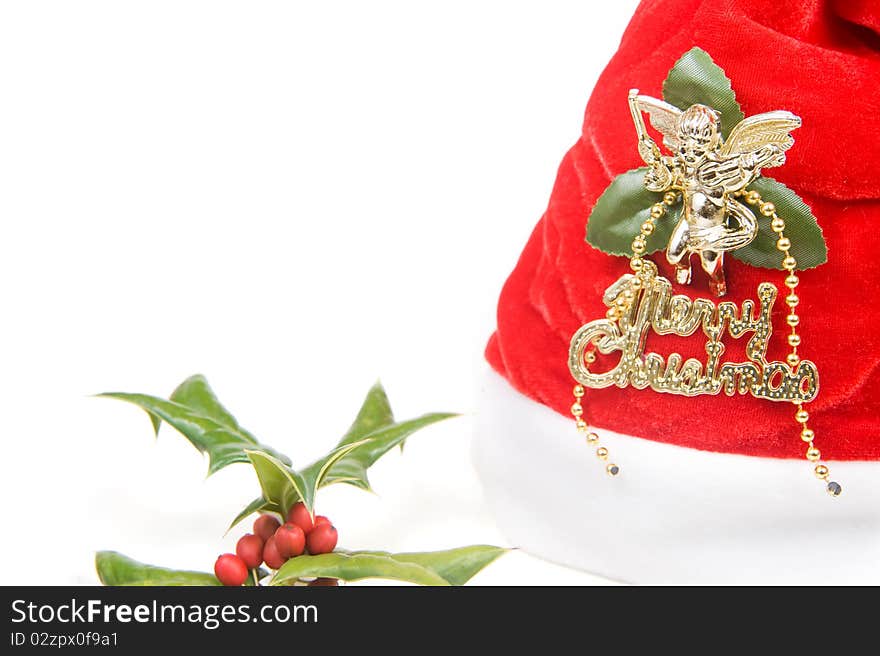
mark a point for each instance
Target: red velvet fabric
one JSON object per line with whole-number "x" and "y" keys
{"x": 817, "y": 58}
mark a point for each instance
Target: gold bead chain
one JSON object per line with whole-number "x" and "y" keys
{"x": 789, "y": 263}
{"x": 621, "y": 305}
{"x": 577, "y": 411}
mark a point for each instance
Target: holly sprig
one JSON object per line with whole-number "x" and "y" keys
{"x": 624, "y": 205}
{"x": 195, "y": 412}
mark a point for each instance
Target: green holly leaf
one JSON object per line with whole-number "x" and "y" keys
{"x": 196, "y": 393}
{"x": 258, "y": 505}
{"x": 620, "y": 212}
{"x": 375, "y": 413}
{"x": 801, "y": 228}
{"x": 115, "y": 569}
{"x": 372, "y": 434}
{"x": 695, "y": 78}
{"x": 195, "y": 412}
{"x": 441, "y": 568}
{"x": 282, "y": 486}
{"x": 352, "y": 467}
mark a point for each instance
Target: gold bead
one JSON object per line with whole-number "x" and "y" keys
{"x": 753, "y": 197}
{"x": 592, "y": 438}
{"x": 636, "y": 264}
{"x": 783, "y": 244}
{"x": 792, "y": 359}
{"x": 777, "y": 224}
{"x": 635, "y": 283}
{"x": 791, "y": 281}
{"x": 613, "y": 314}
{"x": 767, "y": 209}
{"x": 792, "y": 300}
{"x": 578, "y": 391}
{"x": 647, "y": 228}
{"x": 807, "y": 435}
{"x": 801, "y": 416}
{"x": 581, "y": 425}
{"x": 789, "y": 263}
{"x": 590, "y": 357}
{"x": 602, "y": 453}
{"x": 794, "y": 340}
{"x": 638, "y": 247}
{"x": 792, "y": 320}
{"x": 628, "y": 295}
{"x": 813, "y": 454}
{"x": 821, "y": 471}
{"x": 621, "y": 302}
{"x": 577, "y": 409}
{"x": 657, "y": 210}
{"x": 612, "y": 469}
{"x": 670, "y": 197}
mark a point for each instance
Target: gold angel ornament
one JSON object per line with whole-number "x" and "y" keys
{"x": 708, "y": 171}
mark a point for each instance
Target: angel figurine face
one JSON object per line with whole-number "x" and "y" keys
{"x": 708, "y": 171}
{"x": 697, "y": 134}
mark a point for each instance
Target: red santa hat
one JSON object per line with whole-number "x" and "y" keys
{"x": 711, "y": 487}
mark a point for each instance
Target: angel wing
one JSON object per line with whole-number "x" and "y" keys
{"x": 663, "y": 116}
{"x": 755, "y": 132}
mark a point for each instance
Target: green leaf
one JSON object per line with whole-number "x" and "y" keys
{"x": 375, "y": 413}
{"x": 257, "y": 505}
{"x": 281, "y": 486}
{"x": 457, "y": 566}
{"x": 695, "y": 78}
{"x": 451, "y": 567}
{"x": 807, "y": 243}
{"x": 620, "y": 211}
{"x": 195, "y": 393}
{"x": 195, "y": 412}
{"x": 352, "y": 467}
{"x": 353, "y": 567}
{"x": 115, "y": 569}
{"x": 372, "y": 435}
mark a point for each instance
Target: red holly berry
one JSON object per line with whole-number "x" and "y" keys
{"x": 230, "y": 570}
{"x": 265, "y": 526}
{"x": 271, "y": 554}
{"x": 322, "y": 539}
{"x": 250, "y": 550}
{"x": 319, "y": 582}
{"x": 300, "y": 516}
{"x": 320, "y": 519}
{"x": 290, "y": 540}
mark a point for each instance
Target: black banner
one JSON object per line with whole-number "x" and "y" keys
{"x": 128, "y": 619}
{"x": 131, "y": 620}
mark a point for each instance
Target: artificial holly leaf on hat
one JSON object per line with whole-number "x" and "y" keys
{"x": 695, "y": 78}
{"x": 625, "y": 204}
{"x": 621, "y": 210}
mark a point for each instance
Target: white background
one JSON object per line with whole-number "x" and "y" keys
{"x": 291, "y": 198}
